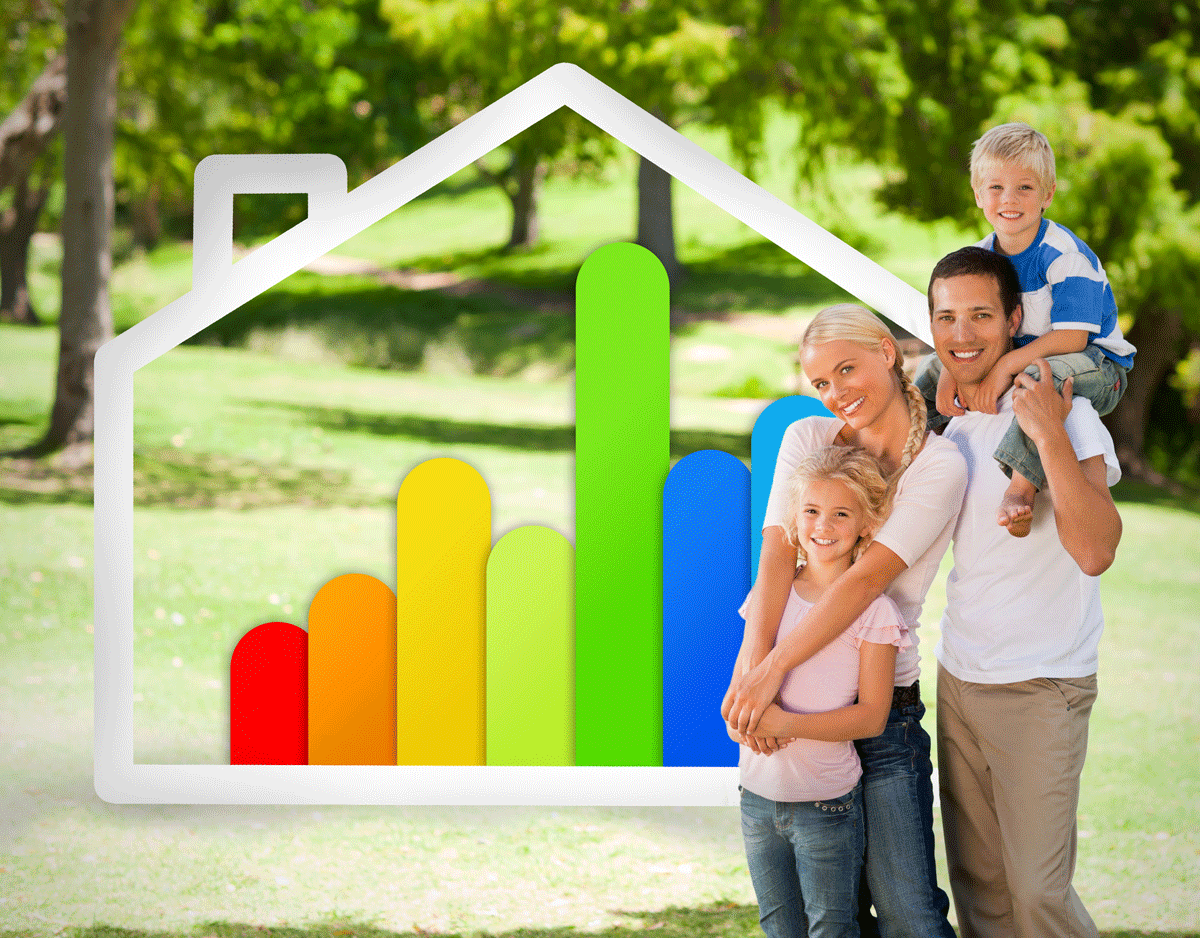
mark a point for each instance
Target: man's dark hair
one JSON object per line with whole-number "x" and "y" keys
{"x": 977, "y": 260}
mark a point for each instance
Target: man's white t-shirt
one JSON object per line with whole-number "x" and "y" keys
{"x": 1018, "y": 608}
{"x": 918, "y": 529}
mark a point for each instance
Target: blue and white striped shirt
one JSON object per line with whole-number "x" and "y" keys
{"x": 1063, "y": 286}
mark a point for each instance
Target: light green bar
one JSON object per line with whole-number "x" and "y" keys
{"x": 531, "y": 649}
{"x": 622, "y": 455}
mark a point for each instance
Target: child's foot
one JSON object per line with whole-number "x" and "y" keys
{"x": 1016, "y": 507}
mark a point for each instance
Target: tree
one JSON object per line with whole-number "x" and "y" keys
{"x": 472, "y": 52}
{"x": 93, "y": 32}
{"x": 254, "y": 76}
{"x": 25, "y": 136}
{"x": 1115, "y": 87}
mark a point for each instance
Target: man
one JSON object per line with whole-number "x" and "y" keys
{"x": 1018, "y": 654}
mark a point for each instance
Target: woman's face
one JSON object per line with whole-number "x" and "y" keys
{"x": 855, "y": 383}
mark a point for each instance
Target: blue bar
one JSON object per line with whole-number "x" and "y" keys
{"x": 706, "y": 576}
{"x": 764, "y": 450}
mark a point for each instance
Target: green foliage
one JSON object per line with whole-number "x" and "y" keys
{"x": 255, "y": 76}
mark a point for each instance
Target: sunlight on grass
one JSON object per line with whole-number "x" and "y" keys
{"x": 265, "y": 468}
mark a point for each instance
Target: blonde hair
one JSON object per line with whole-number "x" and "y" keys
{"x": 855, "y": 468}
{"x": 1014, "y": 143}
{"x": 850, "y": 322}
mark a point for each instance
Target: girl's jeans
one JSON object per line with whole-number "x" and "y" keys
{"x": 901, "y": 875}
{"x": 804, "y": 859}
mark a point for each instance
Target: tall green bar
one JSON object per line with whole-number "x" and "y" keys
{"x": 622, "y": 455}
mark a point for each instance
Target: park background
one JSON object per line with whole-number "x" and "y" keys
{"x": 269, "y": 450}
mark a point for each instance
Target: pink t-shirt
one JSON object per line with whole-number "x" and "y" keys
{"x": 810, "y": 769}
{"x": 928, "y": 498}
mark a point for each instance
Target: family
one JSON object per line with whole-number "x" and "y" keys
{"x": 1000, "y": 450}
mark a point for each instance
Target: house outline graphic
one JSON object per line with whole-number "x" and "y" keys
{"x": 334, "y": 215}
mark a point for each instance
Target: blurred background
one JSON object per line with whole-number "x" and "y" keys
{"x": 268, "y": 449}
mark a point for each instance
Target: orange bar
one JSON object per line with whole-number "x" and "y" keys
{"x": 352, "y": 673}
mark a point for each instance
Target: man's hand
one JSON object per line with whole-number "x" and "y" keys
{"x": 1039, "y": 408}
{"x": 749, "y": 697}
{"x": 947, "y": 396}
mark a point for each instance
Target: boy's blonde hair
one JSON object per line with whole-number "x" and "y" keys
{"x": 853, "y": 323}
{"x": 1014, "y": 143}
{"x": 859, "y": 471}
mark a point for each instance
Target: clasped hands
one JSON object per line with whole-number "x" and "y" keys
{"x": 751, "y": 713}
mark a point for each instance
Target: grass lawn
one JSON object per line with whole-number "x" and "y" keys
{"x": 260, "y": 476}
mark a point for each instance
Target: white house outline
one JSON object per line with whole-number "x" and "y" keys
{"x": 219, "y": 287}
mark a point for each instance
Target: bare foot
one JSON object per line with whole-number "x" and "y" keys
{"x": 1016, "y": 507}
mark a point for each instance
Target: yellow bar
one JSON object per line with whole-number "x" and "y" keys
{"x": 443, "y": 536}
{"x": 352, "y": 673}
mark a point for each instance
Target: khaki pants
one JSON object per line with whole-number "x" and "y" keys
{"x": 1009, "y": 761}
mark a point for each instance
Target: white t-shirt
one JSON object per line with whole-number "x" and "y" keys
{"x": 811, "y": 769}
{"x": 1018, "y": 608}
{"x": 918, "y": 530}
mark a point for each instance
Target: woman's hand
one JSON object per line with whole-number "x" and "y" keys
{"x": 762, "y": 745}
{"x": 750, "y": 695}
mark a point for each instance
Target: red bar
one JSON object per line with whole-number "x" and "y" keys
{"x": 268, "y": 696}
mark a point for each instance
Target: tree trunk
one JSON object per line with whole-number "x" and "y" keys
{"x": 17, "y": 227}
{"x": 1158, "y": 336}
{"x": 146, "y": 220}
{"x": 656, "y": 220}
{"x": 93, "y": 30}
{"x": 527, "y": 173}
{"x": 31, "y": 126}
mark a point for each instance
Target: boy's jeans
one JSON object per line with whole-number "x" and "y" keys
{"x": 804, "y": 859}
{"x": 1097, "y": 377}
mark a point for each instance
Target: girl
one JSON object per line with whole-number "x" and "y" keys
{"x": 802, "y": 809}
{"x": 852, "y": 361}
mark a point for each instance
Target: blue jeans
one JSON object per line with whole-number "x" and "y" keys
{"x": 804, "y": 859}
{"x": 900, "y": 870}
{"x": 1096, "y": 377}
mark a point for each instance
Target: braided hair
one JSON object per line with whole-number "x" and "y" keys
{"x": 853, "y": 323}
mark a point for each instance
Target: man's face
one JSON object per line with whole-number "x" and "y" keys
{"x": 970, "y": 331}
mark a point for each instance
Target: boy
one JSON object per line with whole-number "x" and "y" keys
{"x": 1070, "y": 316}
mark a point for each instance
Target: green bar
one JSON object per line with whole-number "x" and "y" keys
{"x": 531, "y": 649}
{"x": 622, "y": 455}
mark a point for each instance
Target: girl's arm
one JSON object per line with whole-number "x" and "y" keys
{"x": 848, "y": 598}
{"x": 764, "y": 610}
{"x": 865, "y": 718}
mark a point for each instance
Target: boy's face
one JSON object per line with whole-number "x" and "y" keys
{"x": 1012, "y": 200}
{"x": 970, "y": 330}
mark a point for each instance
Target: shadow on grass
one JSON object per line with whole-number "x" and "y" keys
{"x": 181, "y": 479}
{"x": 759, "y": 276}
{"x": 357, "y": 322}
{"x": 1133, "y": 491}
{"x": 534, "y": 438}
{"x": 724, "y": 920}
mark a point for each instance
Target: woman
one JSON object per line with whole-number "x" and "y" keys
{"x": 856, "y": 367}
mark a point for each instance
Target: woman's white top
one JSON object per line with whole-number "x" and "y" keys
{"x": 924, "y": 511}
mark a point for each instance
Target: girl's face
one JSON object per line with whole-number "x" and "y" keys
{"x": 829, "y": 521}
{"x": 855, "y": 383}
